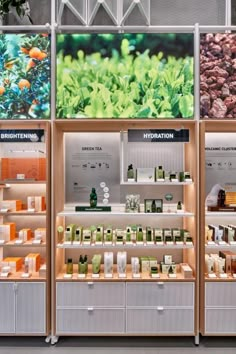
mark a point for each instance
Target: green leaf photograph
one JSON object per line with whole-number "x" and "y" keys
{"x": 135, "y": 76}
{"x": 25, "y": 76}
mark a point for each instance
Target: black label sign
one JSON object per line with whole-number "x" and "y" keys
{"x": 21, "y": 135}
{"x": 158, "y": 135}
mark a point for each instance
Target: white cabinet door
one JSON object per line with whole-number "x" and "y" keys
{"x": 220, "y": 320}
{"x": 83, "y": 294}
{"x": 7, "y": 308}
{"x": 220, "y": 294}
{"x": 91, "y": 320}
{"x": 31, "y": 308}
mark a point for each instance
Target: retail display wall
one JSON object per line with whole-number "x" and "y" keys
{"x": 142, "y": 248}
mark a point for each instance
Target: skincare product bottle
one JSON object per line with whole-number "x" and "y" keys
{"x": 154, "y": 209}
{"x": 121, "y": 262}
{"x": 135, "y": 265}
{"x": 154, "y": 270}
{"x": 108, "y": 235}
{"x": 148, "y": 234}
{"x": 160, "y": 173}
{"x": 221, "y": 198}
{"x": 139, "y": 233}
{"x": 128, "y": 234}
{"x": 96, "y": 263}
{"x": 93, "y": 198}
{"x": 181, "y": 176}
{"x": 179, "y": 205}
{"x": 108, "y": 262}
{"x": 130, "y": 172}
{"x": 69, "y": 267}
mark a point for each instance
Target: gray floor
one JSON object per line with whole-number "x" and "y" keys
{"x": 67, "y": 345}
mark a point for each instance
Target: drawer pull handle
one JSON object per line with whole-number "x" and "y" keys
{"x": 90, "y": 283}
{"x": 160, "y": 308}
{"x": 90, "y": 309}
{"x": 160, "y": 283}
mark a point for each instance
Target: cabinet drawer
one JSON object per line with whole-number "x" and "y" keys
{"x": 222, "y": 321}
{"x": 160, "y": 294}
{"x": 76, "y": 321}
{"x": 160, "y": 321}
{"x": 221, "y": 294}
{"x": 90, "y": 294}
{"x": 7, "y": 308}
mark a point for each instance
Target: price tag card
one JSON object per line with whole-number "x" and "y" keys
{"x": 222, "y": 243}
{"x": 170, "y": 243}
{"x": 211, "y": 243}
{"x": 122, "y": 275}
{"x": 87, "y": 243}
{"x": 161, "y": 243}
{"x": 188, "y": 180}
{"x": 76, "y": 243}
{"x": 139, "y": 243}
{"x": 136, "y": 276}
{"x": 211, "y": 275}
{"x": 67, "y": 243}
{"x": 150, "y": 243}
{"x": 31, "y": 210}
{"x": 160, "y": 180}
{"x": 36, "y": 242}
{"x": 96, "y": 276}
{"x": 180, "y": 211}
{"x": 18, "y": 242}
{"x": 172, "y": 275}
{"x": 188, "y": 243}
{"x": 98, "y": 243}
{"x": 4, "y": 275}
{"x": 155, "y": 275}
{"x": 129, "y": 243}
{"x": 180, "y": 243}
{"x": 232, "y": 243}
{"x": 174, "y": 180}
{"x": 223, "y": 275}
{"x": 234, "y": 275}
{"x": 2, "y": 242}
{"x": 25, "y": 275}
{"x": 109, "y": 276}
{"x": 81, "y": 276}
{"x": 131, "y": 180}
{"x": 4, "y": 210}
{"x": 108, "y": 243}
{"x": 67, "y": 276}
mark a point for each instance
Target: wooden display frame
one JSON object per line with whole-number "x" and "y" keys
{"x": 213, "y": 126}
{"x": 189, "y": 193}
{"x": 13, "y": 124}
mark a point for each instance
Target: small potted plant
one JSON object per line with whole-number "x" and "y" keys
{"x": 19, "y": 8}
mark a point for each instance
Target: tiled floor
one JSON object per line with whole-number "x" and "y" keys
{"x": 108, "y": 345}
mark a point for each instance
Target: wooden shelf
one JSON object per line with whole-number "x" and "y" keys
{"x": 156, "y": 183}
{"x": 227, "y": 246}
{"x": 217, "y": 279}
{"x": 124, "y": 246}
{"x": 7, "y": 184}
{"x": 17, "y": 277}
{"x": 220, "y": 213}
{"x": 22, "y": 213}
{"x": 71, "y": 212}
{"x": 25, "y": 244}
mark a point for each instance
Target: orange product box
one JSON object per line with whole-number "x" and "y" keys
{"x": 34, "y": 261}
{"x": 11, "y": 205}
{"x": 33, "y": 168}
{"x": 8, "y": 231}
{"x": 25, "y": 234}
{"x": 14, "y": 262}
{"x": 40, "y": 203}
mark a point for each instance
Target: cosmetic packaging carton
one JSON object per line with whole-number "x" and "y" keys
{"x": 158, "y": 235}
{"x": 8, "y": 231}
{"x": 186, "y": 235}
{"x": 15, "y": 263}
{"x": 152, "y": 262}
{"x": 70, "y": 233}
{"x": 145, "y": 175}
{"x": 227, "y": 255}
{"x": 176, "y": 234}
{"x": 165, "y": 268}
{"x": 121, "y": 262}
{"x": 25, "y": 234}
{"x": 167, "y": 235}
{"x": 98, "y": 234}
{"x": 1, "y": 254}
{"x": 167, "y": 259}
{"x": 43, "y": 270}
{"x": 36, "y": 202}
{"x": 108, "y": 235}
{"x": 11, "y": 205}
{"x": 78, "y": 234}
{"x": 108, "y": 263}
{"x": 40, "y": 233}
{"x": 214, "y": 232}
{"x": 119, "y": 235}
{"x": 221, "y": 265}
{"x": 233, "y": 227}
{"x": 135, "y": 266}
{"x": 34, "y": 260}
{"x": 96, "y": 263}
{"x": 87, "y": 235}
{"x": 209, "y": 264}
{"x": 186, "y": 270}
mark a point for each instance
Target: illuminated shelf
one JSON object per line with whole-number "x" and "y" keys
{"x": 220, "y": 213}
{"x": 123, "y": 246}
{"x": 67, "y": 212}
{"x": 25, "y": 244}
{"x": 156, "y": 183}
{"x": 22, "y": 213}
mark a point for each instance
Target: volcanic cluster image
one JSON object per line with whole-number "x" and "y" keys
{"x": 218, "y": 76}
